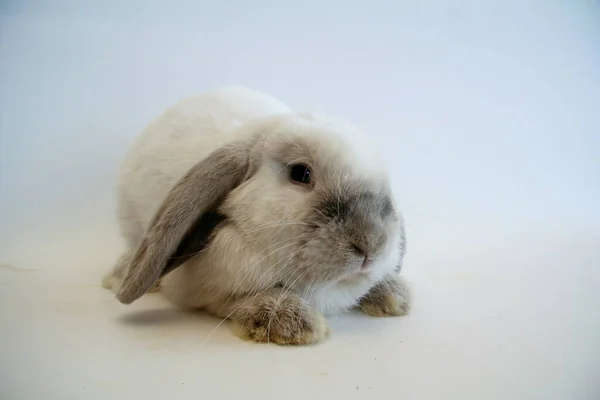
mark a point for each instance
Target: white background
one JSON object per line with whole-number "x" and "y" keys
{"x": 488, "y": 113}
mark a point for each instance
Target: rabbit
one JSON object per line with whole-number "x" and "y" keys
{"x": 233, "y": 203}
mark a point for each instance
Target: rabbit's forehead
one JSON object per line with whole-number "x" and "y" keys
{"x": 334, "y": 150}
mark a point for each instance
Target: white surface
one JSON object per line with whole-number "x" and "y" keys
{"x": 487, "y": 112}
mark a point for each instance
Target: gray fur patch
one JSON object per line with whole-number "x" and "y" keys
{"x": 344, "y": 205}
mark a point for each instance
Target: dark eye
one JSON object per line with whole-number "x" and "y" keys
{"x": 300, "y": 173}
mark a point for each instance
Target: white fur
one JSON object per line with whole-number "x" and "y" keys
{"x": 189, "y": 132}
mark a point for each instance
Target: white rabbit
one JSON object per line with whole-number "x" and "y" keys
{"x": 232, "y": 203}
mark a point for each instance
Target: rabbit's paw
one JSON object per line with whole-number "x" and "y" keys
{"x": 388, "y": 298}
{"x": 277, "y": 317}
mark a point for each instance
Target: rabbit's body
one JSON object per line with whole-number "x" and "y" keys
{"x": 206, "y": 204}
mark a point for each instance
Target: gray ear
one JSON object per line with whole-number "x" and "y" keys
{"x": 186, "y": 218}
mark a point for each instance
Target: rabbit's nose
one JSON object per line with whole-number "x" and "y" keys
{"x": 366, "y": 263}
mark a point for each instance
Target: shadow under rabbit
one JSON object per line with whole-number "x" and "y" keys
{"x": 203, "y": 324}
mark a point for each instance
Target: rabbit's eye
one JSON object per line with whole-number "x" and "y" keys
{"x": 300, "y": 173}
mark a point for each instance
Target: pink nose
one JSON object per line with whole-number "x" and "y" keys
{"x": 366, "y": 263}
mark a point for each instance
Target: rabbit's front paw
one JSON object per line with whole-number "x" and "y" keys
{"x": 389, "y": 298}
{"x": 276, "y": 317}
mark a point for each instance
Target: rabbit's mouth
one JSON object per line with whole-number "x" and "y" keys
{"x": 356, "y": 275}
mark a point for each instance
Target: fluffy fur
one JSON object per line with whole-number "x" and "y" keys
{"x": 212, "y": 219}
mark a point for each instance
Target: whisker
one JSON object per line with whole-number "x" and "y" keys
{"x": 274, "y": 225}
{"x": 252, "y": 297}
{"x": 284, "y": 292}
{"x": 250, "y": 269}
{"x": 232, "y": 312}
{"x": 278, "y": 302}
{"x": 282, "y": 260}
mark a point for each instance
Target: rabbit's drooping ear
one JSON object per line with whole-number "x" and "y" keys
{"x": 184, "y": 222}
